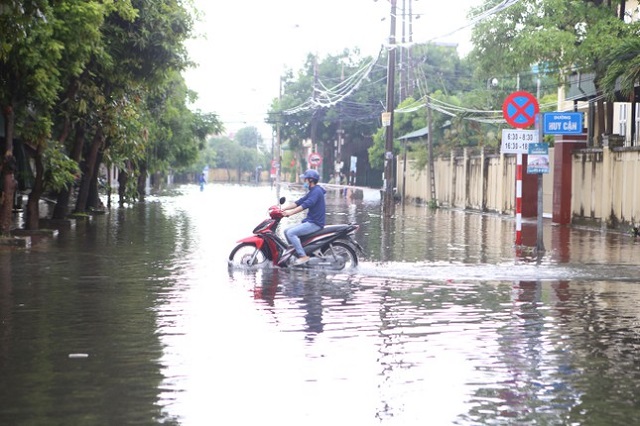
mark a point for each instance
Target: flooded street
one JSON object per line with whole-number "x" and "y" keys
{"x": 135, "y": 318}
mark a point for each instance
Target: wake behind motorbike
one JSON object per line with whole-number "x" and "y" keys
{"x": 333, "y": 247}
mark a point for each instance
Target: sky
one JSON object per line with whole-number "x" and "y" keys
{"x": 242, "y": 47}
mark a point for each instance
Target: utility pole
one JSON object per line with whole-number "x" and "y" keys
{"x": 402, "y": 94}
{"x": 337, "y": 162}
{"x": 314, "y": 116}
{"x": 388, "y": 201}
{"x": 409, "y": 81}
{"x": 432, "y": 173}
{"x": 277, "y": 157}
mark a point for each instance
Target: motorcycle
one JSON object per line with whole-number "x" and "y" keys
{"x": 333, "y": 247}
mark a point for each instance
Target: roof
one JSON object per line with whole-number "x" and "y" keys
{"x": 415, "y": 134}
{"x": 581, "y": 87}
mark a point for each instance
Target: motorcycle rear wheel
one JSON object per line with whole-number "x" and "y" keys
{"x": 346, "y": 255}
{"x": 247, "y": 255}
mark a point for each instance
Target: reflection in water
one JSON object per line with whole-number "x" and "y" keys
{"x": 6, "y": 305}
{"x": 441, "y": 323}
{"x": 78, "y": 340}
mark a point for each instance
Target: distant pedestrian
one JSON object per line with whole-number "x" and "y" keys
{"x": 203, "y": 180}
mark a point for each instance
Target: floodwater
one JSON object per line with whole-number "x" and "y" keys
{"x": 134, "y": 318}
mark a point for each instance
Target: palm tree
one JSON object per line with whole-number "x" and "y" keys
{"x": 622, "y": 66}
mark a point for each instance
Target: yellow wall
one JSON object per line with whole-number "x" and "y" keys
{"x": 460, "y": 184}
{"x": 605, "y": 184}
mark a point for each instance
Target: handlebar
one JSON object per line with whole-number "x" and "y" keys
{"x": 275, "y": 212}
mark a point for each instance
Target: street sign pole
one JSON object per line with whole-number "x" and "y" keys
{"x": 518, "y": 199}
{"x": 520, "y": 109}
{"x": 540, "y": 229}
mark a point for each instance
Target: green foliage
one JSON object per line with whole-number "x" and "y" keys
{"x": 623, "y": 68}
{"x": 130, "y": 192}
{"x": 174, "y": 134}
{"x": 114, "y": 66}
{"x": 225, "y": 153}
{"x": 249, "y": 137}
{"x": 29, "y": 62}
{"x": 377, "y": 150}
{"x": 404, "y": 123}
{"x": 111, "y": 67}
{"x": 289, "y": 164}
{"x": 358, "y": 114}
{"x": 60, "y": 171}
{"x": 561, "y": 34}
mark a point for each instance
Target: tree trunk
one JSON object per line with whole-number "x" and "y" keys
{"x": 142, "y": 182}
{"x": 68, "y": 97}
{"x": 91, "y": 164}
{"x": 601, "y": 119}
{"x": 123, "y": 178}
{"x": 8, "y": 168}
{"x": 93, "y": 201}
{"x": 33, "y": 203}
{"x": 609, "y": 123}
{"x": 62, "y": 206}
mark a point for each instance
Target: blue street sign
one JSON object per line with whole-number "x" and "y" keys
{"x": 562, "y": 123}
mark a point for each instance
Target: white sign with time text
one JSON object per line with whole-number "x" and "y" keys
{"x": 516, "y": 141}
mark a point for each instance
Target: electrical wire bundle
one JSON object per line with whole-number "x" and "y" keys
{"x": 328, "y": 97}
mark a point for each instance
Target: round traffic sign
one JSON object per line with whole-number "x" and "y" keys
{"x": 314, "y": 159}
{"x": 520, "y": 109}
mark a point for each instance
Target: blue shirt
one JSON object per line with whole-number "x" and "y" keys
{"x": 314, "y": 202}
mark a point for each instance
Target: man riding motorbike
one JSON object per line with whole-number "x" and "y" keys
{"x": 314, "y": 202}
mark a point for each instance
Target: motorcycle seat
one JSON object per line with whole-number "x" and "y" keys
{"x": 327, "y": 229}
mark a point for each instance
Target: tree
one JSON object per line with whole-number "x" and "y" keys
{"x": 140, "y": 55}
{"x": 28, "y": 84}
{"x": 249, "y": 137}
{"x": 231, "y": 155}
{"x": 622, "y": 66}
{"x": 320, "y": 99}
{"x": 82, "y": 82}
{"x": 559, "y": 35}
{"x": 404, "y": 123}
{"x": 175, "y": 134}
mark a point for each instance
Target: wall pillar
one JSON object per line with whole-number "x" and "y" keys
{"x": 562, "y": 175}
{"x": 485, "y": 178}
{"x": 452, "y": 166}
{"x": 465, "y": 168}
{"x": 529, "y": 191}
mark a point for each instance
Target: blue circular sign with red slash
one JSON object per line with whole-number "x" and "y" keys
{"x": 520, "y": 109}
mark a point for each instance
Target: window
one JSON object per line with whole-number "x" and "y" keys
{"x": 622, "y": 119}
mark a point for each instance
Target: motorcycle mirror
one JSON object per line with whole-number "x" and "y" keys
{"x": 282, "y": 200}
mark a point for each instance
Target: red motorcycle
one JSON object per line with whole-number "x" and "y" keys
{"x": 333, "y": 247}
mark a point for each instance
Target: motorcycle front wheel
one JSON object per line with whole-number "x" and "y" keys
{"x": 342, "y": 254}
{"x": 247, "y": 255}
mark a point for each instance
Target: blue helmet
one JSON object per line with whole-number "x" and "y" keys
{"x": 310, "y": 174}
